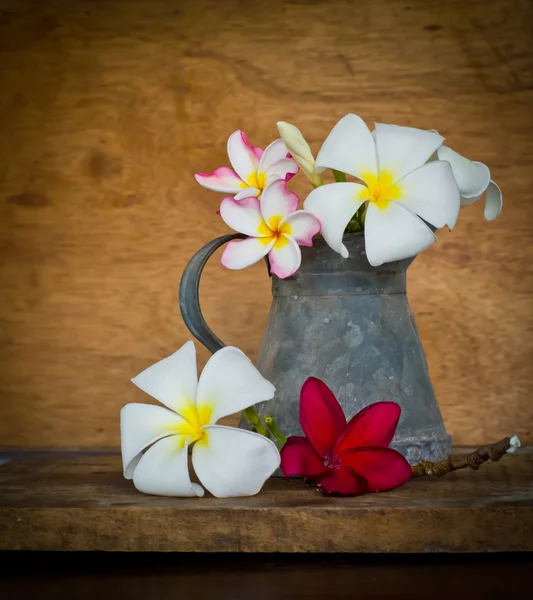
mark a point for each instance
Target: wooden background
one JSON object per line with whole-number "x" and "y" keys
{"x": 108, "y": 108}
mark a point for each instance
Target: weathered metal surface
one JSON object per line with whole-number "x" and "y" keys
{"x": 350, "y": 325}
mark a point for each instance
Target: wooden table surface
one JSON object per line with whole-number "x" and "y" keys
{"x": 82, "y": 502}
{"x": 108, "y": 108}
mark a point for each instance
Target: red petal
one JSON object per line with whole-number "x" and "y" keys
{"x": 299, "y": 458}
{"x": 343, "y": 482}
{"x": 383, "y": 468}
{"x": 321, "y": 416}
{"x": 375, "y": 425}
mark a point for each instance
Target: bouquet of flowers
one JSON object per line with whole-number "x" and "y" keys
{"x": 396, "y": 184}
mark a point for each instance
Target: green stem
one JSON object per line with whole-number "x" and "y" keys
{"x": 339, "y": 175}
{"x": 273, "y": 428}
{"x": 321, "y": 182}
{"x": 253, "y": 418}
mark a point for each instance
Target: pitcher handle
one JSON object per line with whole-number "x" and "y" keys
{"x": 189, "y": 296}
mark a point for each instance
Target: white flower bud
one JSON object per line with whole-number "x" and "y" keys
{"x": 300, "y": 151}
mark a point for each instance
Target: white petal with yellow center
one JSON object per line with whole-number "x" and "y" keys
{"x": 301, "y": 226}
{"x": 242, "y": 156}
{"x": 276, "y": 203}
{"x": 247, "y": 192}
{"x": 285, "y": 257}
{"x": 334, "y": 205}
{"x": 284, "y": 169}
{"x": 493, "y": 201}
{"x": 273, "y": 153}
{"x": 431, "y": 192}
{"x": 472, "y": 177}
{"x": 400, "y": 150}
{"x": 230, "y": 383}
{"x": 350, "y": 148}
{"x": 163, "y": 469}
{"x": 394, "y": 233}
{"x": 243, "y": 253}
{"x": 172, "y": 380}
{"x": 142, "y": 425}
{"x": 234, "y": 462}
{"x": 244, "y": 216}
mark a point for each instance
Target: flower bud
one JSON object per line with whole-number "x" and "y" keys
{"x": 300, "y": 151}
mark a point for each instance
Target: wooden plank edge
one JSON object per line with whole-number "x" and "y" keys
{"x": 278, "y": 529}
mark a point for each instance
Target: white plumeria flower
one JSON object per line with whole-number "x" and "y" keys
{"x": 473, "y": 180}
{"x": 254, "y": 168}
{"x": 275, "y": 227}
{"x": 400, "y": 188}
{"x": 228, "y": 461}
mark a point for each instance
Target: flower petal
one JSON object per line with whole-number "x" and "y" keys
{"x": 230, "y": 383}
{"x": 302, "y": 226}
{"x": 342, "y": 481}
{"x": 140, "y": 426}
{"x": 284, "y": 169}
{"x": 493, "y": 201}
{"x": 374, "y": 425}
{"x": 383, "y": 468}
{"x": 248, "y": 192}
{"x": 233, "y": 462}
{"x": 163, "y": 469}
{"x": 349, "y": 148}
{"x": 285, "y": 257}
{"x": 298, "y": 458}
{"x": 321, "y": 416}
{"x": 240, "y": 254}
{"x": 431, "y": 193}
{"x": 334, "y": 205}
{"x": 393, "y": 233}
{"x": 273, "y": 153}
{"x": 244, "y": 216}
{"x": 472, "y": 177}
{"x": 172, "y": 380}
{"x": 244, "y": 158}
{"x": 223, "y": 179}
{"x": 277, "y": 202}
{"x": 403, "y": 149}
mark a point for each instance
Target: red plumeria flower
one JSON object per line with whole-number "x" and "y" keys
{"x": 344, "y": 458}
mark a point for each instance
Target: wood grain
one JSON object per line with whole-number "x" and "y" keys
{"x": 108, "y": 108}
{"x": 84, "y": 503}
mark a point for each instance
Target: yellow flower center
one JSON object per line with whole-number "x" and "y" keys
{"x": 273, "y": 230}
{"x": 196, "y": 418}
{"x": 381, "y": 188}
{"x": 257, "y": 179}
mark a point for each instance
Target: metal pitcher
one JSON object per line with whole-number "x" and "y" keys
{"x": 347, "y": 323}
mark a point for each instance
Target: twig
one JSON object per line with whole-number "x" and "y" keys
{"x": 473, "y": 460}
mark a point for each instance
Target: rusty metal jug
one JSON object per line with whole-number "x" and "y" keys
{"x": 347, "y": 323}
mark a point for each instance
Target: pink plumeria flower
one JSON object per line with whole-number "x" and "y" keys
{"x": 275, "y": 227}
{"x": 253, "y": 168}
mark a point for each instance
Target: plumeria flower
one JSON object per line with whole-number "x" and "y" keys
{"x": 274, "y": 226}
{"x": 155, "y": 440}
{"x": 473, "y": 180}
{"x": 346, "y": 459}
{"x": 401, "y": 190}
{"x": 253, "y": 168}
